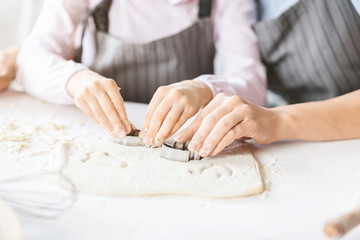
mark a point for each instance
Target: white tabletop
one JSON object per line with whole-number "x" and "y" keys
{"x": 306, "y": 184}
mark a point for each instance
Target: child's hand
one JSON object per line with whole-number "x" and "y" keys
{"x": 225, "y": 119}
{"x": 170, "y": 107}
{"x": 100, "y": 99}
{"x": 7, "y": 67}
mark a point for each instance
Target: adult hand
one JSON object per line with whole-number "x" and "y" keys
{"x": 170, "y": 107}
{"x": 7, "y": 66}
{"x": 100, "y": 99}
{"x": 225, "y": 119}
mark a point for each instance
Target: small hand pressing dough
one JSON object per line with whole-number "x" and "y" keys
{"x": 111, "y": 169}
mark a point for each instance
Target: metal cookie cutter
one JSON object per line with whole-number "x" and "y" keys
{"x": 177, "y": 151}
{"x": 132, "y": 139}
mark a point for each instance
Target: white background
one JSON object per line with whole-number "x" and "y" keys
{"x": 16, "y": 20}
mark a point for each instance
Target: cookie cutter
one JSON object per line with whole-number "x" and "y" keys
{"x": 132, "y": 139}
{"x": 178, "y": 151}
{"x": 170, "y": 149}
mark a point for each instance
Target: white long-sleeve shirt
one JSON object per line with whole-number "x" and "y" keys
{"x": 45, "y": 65}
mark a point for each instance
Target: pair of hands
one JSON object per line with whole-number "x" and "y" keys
{"x": 226, "y": 119}
{"x": 223, "y": 120}
{"x": 170, "y": 107}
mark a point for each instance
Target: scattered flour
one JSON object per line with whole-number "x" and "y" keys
{"x": 29, "y": 138}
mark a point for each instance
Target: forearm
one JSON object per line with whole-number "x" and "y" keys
{"x": 333, "y": 119}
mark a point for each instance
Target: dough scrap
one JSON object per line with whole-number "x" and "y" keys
{"x": 110, "y": 169}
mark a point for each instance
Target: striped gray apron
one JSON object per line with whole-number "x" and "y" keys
{"x": 312, "y": 51}
{"x": 139, "y": 69}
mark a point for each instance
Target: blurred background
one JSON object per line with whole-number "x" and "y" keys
{"x": 17, "y": 18}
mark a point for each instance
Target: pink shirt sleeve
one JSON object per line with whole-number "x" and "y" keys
{"x": 238, "y": 68}
{"x": 43, "y": 68}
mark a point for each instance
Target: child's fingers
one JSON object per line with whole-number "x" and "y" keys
{"x": 99, "y": 113}
{"x": 154, "y": 103}
{"x": 182, "y": 120}
{"x": 87, "y": 110}
{"x": 112, "y": 115}
{"x": 156, "y": 121}
{"x": 117, "y": 100}
{"x": 168, "y": 124}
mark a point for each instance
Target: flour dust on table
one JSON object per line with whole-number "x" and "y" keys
{"x": 109, "y": 169}
{"x": 31, "y": 130}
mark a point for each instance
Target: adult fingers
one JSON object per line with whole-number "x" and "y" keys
{"x": 206, "y": 127}
{"x": 222, "y": 127}
{"x": 231, "y": 136}
{"x": 190, "y": 130}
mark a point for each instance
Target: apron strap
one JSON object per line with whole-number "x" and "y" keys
{"x": 259, "y": 9}
{"x": 100, "y": 15}
{"x": 205, "y": 7}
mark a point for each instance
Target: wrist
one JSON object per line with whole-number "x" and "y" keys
{"x": 78, "y": 81}
{"x": 285, "y": 124}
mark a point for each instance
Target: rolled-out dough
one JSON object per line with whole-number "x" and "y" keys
{"x": 110, "y": 169}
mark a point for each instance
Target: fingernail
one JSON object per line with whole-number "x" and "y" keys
{"x": 148, "y": 137}
{"x": 204, "y": 151}
{"x": 158, "y": 142}
{"x": 192, "y": 146}
{"x": 179, "y": 137}
{"x": 146, "y": 140}
{"x": 128, "y": 127}
{"x": 121, "y": 133}
{"x": 152, "y": 141}
{"x": 143, "y": 133}
{"x": 213, "y": 154}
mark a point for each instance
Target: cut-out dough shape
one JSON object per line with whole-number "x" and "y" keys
{"x": 111, "y": 169}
